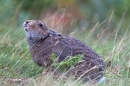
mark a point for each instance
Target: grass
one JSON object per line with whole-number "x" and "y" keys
{"x": 16, "y": 62}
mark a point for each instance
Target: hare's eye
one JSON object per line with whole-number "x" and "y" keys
{"x": 40, "y": 25}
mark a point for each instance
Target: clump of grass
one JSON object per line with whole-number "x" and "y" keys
{"x": 67, "y": 63}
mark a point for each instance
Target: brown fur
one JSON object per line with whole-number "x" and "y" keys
{"x": 44, "y": 42}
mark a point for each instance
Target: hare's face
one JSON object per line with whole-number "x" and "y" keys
{"x": 35, "y": 29}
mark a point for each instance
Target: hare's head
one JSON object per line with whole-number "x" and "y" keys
{"x": 35, "y": 29}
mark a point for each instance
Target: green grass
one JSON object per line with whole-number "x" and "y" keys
{"x": 16, "y": 62}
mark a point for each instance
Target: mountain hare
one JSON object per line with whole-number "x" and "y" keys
{"x": 43, "y": 43}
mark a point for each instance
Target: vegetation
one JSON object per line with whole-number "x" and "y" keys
{"x": 67, "y": 63}
{"x": 103, "y": 25}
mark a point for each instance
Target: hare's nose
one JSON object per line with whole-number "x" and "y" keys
{"x": 28, "y": 21}
{"x": 25, "y": 24}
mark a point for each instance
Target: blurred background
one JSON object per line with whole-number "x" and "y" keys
{"x": 68, "y": 16}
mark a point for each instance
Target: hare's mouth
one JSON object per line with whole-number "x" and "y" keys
{"x": 26, "y": 29}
